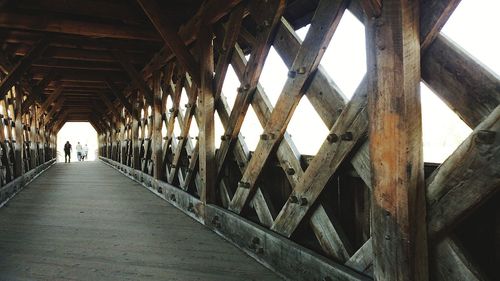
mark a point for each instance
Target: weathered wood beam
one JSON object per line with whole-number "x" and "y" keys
{"x": 269, "y": 12}
{"x": 433, "y": 16}
{"x": 171, "y": 37}
{"x": 157, "y": 139}
{"x": 466, "y": 179}
{"x": 325, "y": 96}
{"x": 75, "y": 55}
{"x": 20, "y": 68}
{"x": 62, "y": 65}
{"x": 37, "y": 91}
{"x": 398, "y": 191}
{"x": 47, "y": 23}
{"x": 350, "y": 127}
{"x": 328, "y": 233}
{"x": 80, "y": 76}
{"x": 324, "y": 24}
{"x": 119, "y": 95}
{"x": 461, "y": 81}
{"x": 206, "y": 105}
{"x": 18, "y": 131}
{"x": 212, "y": 12}
{"x": 137, "y": 79}
{"x": 92, "y": 8}
{"x": 230, "y": 37}
{"x": 55, "y": 108}
{"x": 451, "y": 262}
{"x": 110, "y": 106}
{"x": 52, "y": 97}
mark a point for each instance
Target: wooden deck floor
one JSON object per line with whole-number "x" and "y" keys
{"x": 86, "y": 221}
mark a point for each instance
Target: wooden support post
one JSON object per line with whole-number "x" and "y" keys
{"x": 136, "y": 162}
{"x": 157, "y": 153}
{"x": 18, "y": 131}
{"x": 207, "y": 107}
{"x": 33, "y": 139}
{"x": 398, "y": 207}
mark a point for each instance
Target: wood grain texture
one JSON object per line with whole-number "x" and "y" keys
{"x": 466, "y": 179}
{"x": 399, "y": 235}
{"x": 67, "y": 226}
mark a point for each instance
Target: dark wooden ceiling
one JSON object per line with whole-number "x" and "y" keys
{"x": 83, "y": 38}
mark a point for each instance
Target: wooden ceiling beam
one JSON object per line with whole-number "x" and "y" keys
{"x": 37, "y": 91}
{"x": 137, "y": 79}
{"x": 76, "y": 75}
{"x": 74, "y": 64}
{"x": 81, "y": 55}
{"x": 52, "y": 97}
{"x": 20, "y": 68}
{"x": 47, "y": 23}
{"x": 120, "y": 96}
{"x": 92, "y": 8}
{"x": 23, "y": 38}
{"x": 171, "y": 37}
{"x": 213, "y": 11}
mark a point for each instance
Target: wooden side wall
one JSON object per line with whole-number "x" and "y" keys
{"x": 365, "y": 206}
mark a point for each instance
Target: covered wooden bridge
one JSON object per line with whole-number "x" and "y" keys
{"x": 149, "y": 74}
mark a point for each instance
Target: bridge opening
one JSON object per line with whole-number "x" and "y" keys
{"x": 74, "y": 132}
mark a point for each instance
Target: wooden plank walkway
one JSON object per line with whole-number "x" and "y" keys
{"x": 86, "y": 221}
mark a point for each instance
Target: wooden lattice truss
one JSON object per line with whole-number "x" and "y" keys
{"x": 405, "y": 224}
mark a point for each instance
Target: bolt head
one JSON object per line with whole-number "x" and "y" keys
{"x": 331, "y": 138}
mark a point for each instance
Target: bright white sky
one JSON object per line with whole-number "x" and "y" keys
{"x": 75, "y": 132}
{"x": 345, "y": 62}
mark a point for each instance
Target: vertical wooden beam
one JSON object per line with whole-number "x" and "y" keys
{"x": 136, "y": 162}
{"x": 33, "y": 138}
{"x": 398, "y": 209}
{"x": 157, "y": 151}
{"x": 18, "y": 131}
{"x": 206, "y": 105}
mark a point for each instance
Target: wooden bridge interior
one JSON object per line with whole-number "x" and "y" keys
{"x": 148, "y": 75}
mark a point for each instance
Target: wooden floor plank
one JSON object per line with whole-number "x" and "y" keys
{"x": 85, "y": 221}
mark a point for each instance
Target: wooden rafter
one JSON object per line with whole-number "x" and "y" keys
{"x": 137, "y": 79}
{"x": 171, "y": 37}
{"x": 20, "y": 68}
{"x": 47, "y": 23}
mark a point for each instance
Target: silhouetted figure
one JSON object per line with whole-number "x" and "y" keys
{"x": 67, "y": 152}
{"x": 79, "y": 151}
{"x": 85, "y": 153}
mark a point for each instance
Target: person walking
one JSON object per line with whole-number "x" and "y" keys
{"x": 85, "y": 152}
{"x": 79, "y": 151}
{"x": 67, "y": 152}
